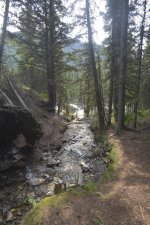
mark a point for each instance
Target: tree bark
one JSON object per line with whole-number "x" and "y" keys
{"x": 49, "y": 50}
{"x": 114, "y": 6}
{"x": 140, "y": 53}
{"x": 3, "y": 37}
{"x": 123, "y": 53}
{"x": 111, "y": 85}
{"x": 101, "y": 114}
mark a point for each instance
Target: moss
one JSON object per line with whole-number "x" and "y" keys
{"x": 87, "y": 189}
{"x": 34, "y": 217}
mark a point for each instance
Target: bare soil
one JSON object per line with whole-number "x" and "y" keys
{"x": 124, "y": 200}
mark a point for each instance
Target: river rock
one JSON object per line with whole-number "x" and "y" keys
{"x": 58, "y": 180}
{"x": 52, "y": 162}
{"x": 34, "y": 181}
{"x": 85, "y": 167}
{"x": 46, "y": 176}
{"x": 69, "y": 185}
{"x": 18, "y": 164}
{"x": 17, "y": 157}
{"x": 55, "y": 187}
{"x": 20, "y": 141}
{"x": 5, "y": 164}
{"x": 31, "y": 195}
{"x": 9, "y": 217}
{"x": 50, "y": 190}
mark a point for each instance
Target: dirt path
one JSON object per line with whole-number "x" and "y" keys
{"x": 125, "y": 200}
{"x": 128, "y": 196}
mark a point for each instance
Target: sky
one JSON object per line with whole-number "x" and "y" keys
{"x": 99, "y": 34}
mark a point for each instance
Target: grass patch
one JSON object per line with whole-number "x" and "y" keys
{"x": 87, "y": 189}
{"x": 111, "y": 170}
{"x": 90, "y": 187}
{"x": 34, "y": 217}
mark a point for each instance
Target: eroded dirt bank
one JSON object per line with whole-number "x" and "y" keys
{"x": 15, "y": 191}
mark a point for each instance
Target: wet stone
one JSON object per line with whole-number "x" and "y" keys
{"x": 34, "y": 181}
{"x": 52, "y": 162}
{"x": 85, "y": 167}
{"x": 9, "y": 217}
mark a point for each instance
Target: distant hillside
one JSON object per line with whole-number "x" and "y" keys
{"x": 11, "y": 58}
{"x": 78, "y": 45}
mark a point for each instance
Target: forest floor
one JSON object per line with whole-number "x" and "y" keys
{"x": 123, "y": 200}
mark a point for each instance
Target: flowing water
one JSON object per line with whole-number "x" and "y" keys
{"x": 74, "y": 164}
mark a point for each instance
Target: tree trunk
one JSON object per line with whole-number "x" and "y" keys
{"x": 111, "y": 85}
{"x": 123, "y": 52}
{"x": 3, "y": 37}
{"x": 114, "y": 64}
{"x": 140, "y": 51}
{"x": 49, "y": 50}
{"x": 101, "y": 114}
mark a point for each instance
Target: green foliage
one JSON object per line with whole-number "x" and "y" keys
{"x": 39, "y": 95}
{"x": 129, "y": 117}
{"x": 111, "y": 170}
{"x": 90, "y": 187}
{"x": 32, "y": 202}
{"x": 103, "y": 147}
{"x": 142, "y": 115}
{"x": 94, "y": 124}
{"x": 97, "y": 221}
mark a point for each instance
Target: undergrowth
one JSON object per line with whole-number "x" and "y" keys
{"x": 142, "y": 115}
{"x": 111, "y": 170}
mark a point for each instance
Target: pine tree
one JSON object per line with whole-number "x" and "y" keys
{"x": 3, "y": 36}
{"x": 98, "y": 91}
{"x": 140, "y": 53}
{"x": 123, "y": 56}
{"x": 45, "y": 35}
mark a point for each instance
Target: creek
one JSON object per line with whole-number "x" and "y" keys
{"x": 74, "y": 164}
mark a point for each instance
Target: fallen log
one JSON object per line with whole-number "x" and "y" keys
{"x": 5, "y": 99}
{"x": 23, "y": 104}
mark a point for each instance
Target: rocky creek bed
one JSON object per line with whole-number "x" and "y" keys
{"x": 75, "y": 163}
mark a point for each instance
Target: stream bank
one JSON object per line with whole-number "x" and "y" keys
{"x": 53, "y": 169}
